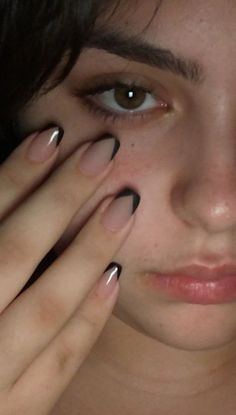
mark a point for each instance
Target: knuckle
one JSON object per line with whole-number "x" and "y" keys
{"x": 64, "y": 195}
{"x": 11, "y": 405}
{"x": 14, "y": 249}
{"x": 90, "y": 320}
{"x": 104, "y": 243}
{"x": 95, "y": 251}
{"x": 65, "y": 357}
{"x": 49, "y": 310}
{"x": 71, "y": 351}
{"x": 12, "y": 176}
{"x": 69, "y": 187}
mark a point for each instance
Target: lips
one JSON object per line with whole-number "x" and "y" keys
{"x": 197, "y": 284}
{"x": 204, "y": 273}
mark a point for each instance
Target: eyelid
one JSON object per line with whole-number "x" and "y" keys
{"x": 104, "y": 87}
{"x": 98, "y": 83}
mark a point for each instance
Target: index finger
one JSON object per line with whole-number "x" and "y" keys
{"x": 36, "y": 225}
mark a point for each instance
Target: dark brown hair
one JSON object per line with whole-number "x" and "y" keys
{"x": 35, "y": 37}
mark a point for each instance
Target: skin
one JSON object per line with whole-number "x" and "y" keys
{"x": 182, "y": 163}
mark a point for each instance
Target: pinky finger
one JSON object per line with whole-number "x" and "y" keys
{"x": 40, "y": 387}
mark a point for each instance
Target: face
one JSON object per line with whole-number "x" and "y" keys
{"x": 177, "y": 128}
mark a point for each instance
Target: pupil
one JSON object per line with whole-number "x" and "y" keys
{"x": 129, "y": 98}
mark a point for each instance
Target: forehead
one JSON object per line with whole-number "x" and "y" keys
{"x": 176, "y": 21}
{"x": 202, "y": 31}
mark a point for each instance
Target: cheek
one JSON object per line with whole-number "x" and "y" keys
{"x": 126, "y": 173}
{"x": 135, "y": 167}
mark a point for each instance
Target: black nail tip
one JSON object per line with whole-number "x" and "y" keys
{"x": 136, "y": 201}
{"x": 116, "y": 148}
{"x": 110, "y": 137}
{"x": 60, "y": 135}
{"x": 112, "y": 265}
{"x": 60, "y": 131}
{"x": 105, "y": 137}
{"x": 130, "y": 192}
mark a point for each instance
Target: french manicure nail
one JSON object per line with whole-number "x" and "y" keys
{"x": 44, "y": 144}
{"x": 120, "y": 210}
{"x": 115, "y": 268}
{"x": 108, "y": 281}
{"x": 98, "y": 155}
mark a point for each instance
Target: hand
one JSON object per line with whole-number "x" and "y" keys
{"x": 47, "y": 331}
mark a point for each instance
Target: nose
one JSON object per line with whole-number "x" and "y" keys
{"x": 204, "y": 195}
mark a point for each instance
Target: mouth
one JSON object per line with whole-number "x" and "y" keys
{"x": 197, "y": 284}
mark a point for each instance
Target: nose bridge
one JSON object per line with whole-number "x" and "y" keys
{"x": 210, "y": 197}
{"x": 209, "y": 189}
{"x": 217, "y": 119}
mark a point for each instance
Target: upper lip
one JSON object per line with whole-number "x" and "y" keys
{"x": 205, "y": 272}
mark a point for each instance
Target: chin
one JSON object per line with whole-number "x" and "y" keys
{"x": 188, "y": 327}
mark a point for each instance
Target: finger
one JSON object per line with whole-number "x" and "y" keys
{"x": 52, "y": 371}
{"x": 30, "y": 232}
{"x": 34, "y": 319}
{"x": 26, "y": 167}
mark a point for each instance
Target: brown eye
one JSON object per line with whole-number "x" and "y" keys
{"x": 129, "y": 98}
{"x": 125, "y": 99}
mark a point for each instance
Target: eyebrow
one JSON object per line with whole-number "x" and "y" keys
{"x": 136, "y": 49}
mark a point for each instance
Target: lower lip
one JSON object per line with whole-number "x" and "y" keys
{"x": 195, "y": 290}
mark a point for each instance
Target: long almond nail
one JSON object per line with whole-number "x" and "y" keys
{"x": 98, "y": 156}
{"x": 120, "y": 210}
{"x": 44, "y": 145}
{"x": 108, "y": 281}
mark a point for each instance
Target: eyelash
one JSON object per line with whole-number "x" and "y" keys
{"x": 108, "y": 115}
